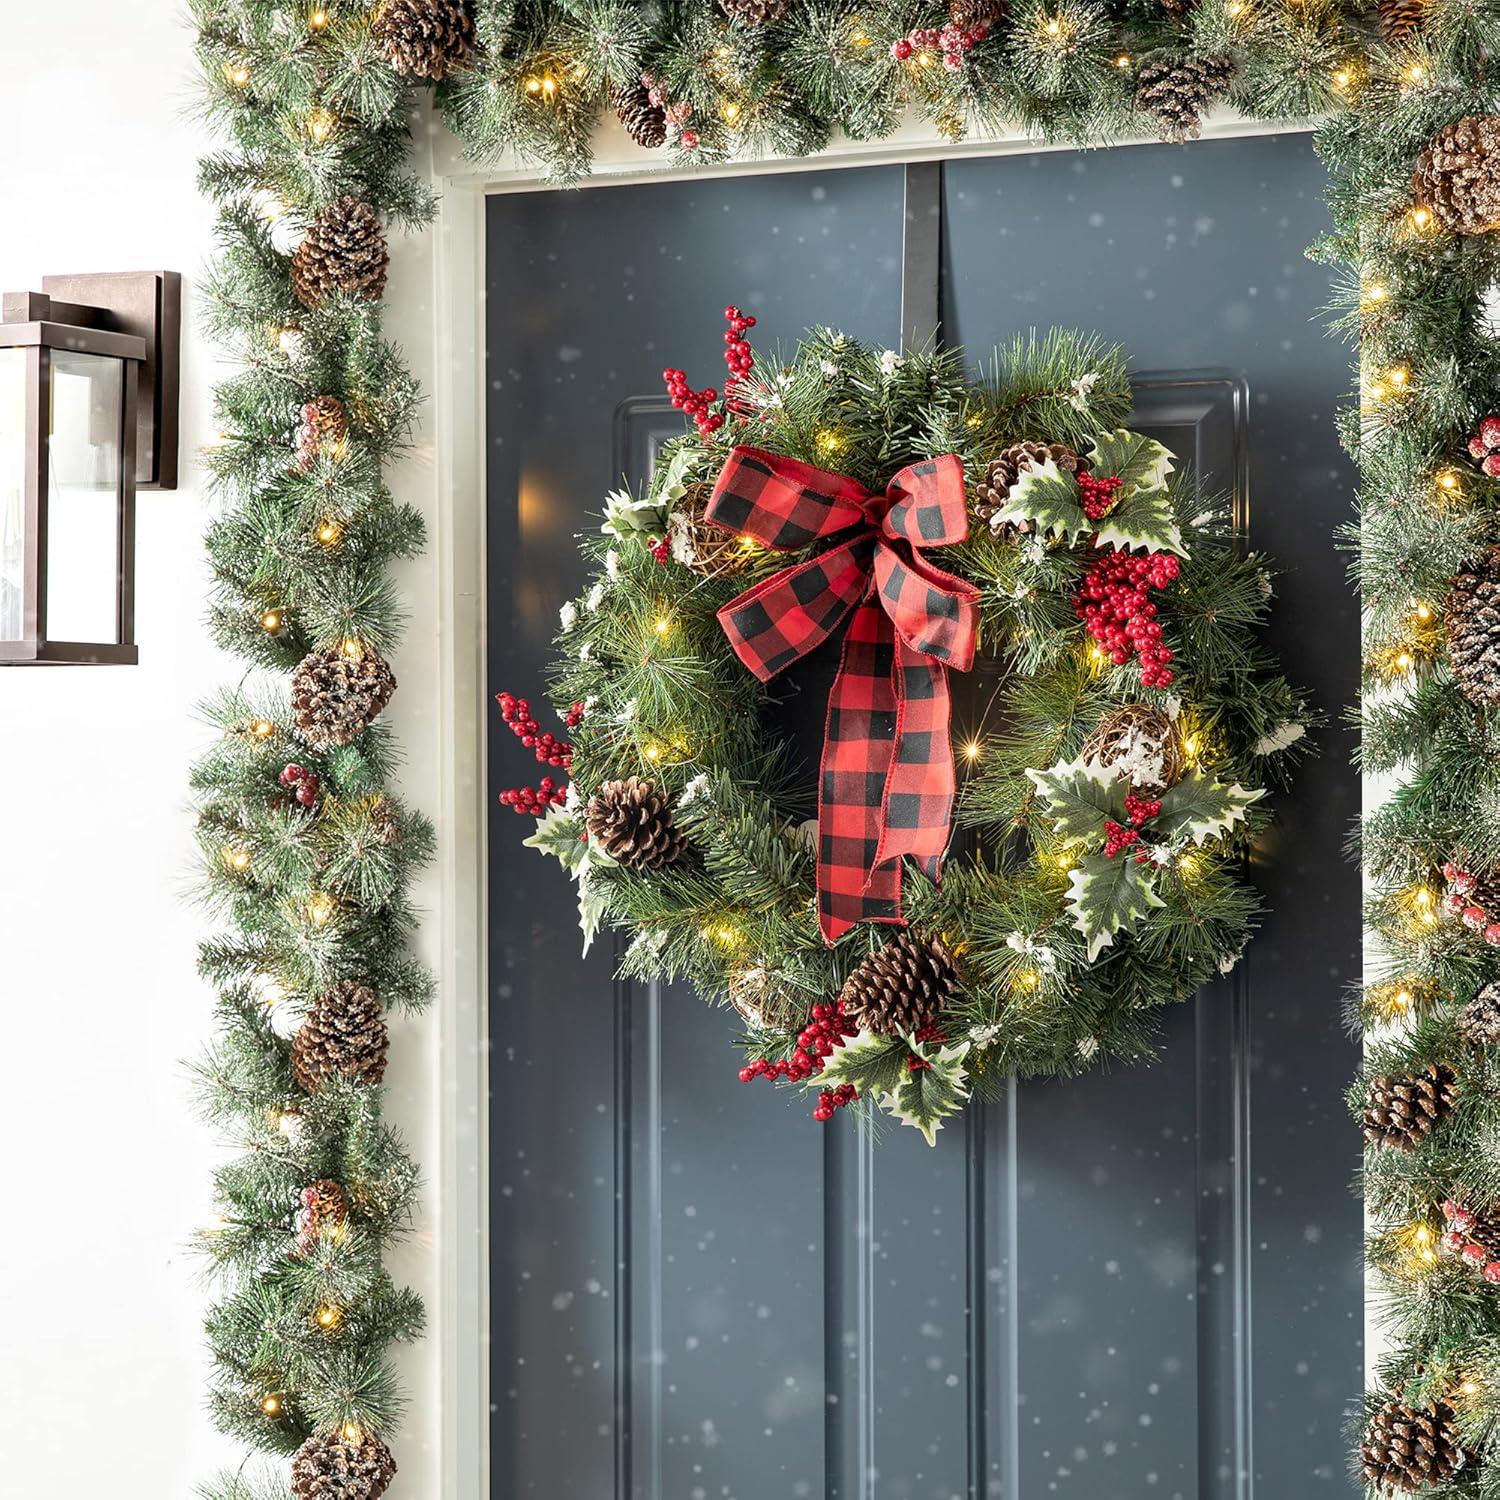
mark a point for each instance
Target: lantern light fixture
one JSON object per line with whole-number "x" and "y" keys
{"x": 88, "y": 415}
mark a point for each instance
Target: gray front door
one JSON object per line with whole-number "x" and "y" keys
{"x": 1143, "y": 1283}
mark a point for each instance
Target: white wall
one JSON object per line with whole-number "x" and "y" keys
{"x": 104, "y": 1172}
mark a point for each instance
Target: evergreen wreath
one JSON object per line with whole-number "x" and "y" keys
{"x": 1115, "y": 742}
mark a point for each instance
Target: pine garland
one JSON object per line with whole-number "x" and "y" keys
{"x": 314, "y": 112}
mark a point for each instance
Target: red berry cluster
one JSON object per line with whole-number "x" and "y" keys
{"x": 301, "y": 783}
{"x": 1458, "y": 1240}
{"x": 1484, "y": 446}
{"x": 548, "y": 749}
{"x": 1458, "y": 901}
{"x": 828, "y": 1027}
{"x": 1098, "y": 495}
{"x": 1112, "y": 603}
{"x": 695, "y": 403}
{"x": 1118, "y": 836}
{"x": 662, "y": 550}
{"x": 951, "y": 40}
{"x": 738, "y": 354}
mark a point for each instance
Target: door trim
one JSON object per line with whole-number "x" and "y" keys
{"x": 437, "y": 310}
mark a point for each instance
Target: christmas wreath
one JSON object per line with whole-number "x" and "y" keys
{"x": 1046, "y": 648}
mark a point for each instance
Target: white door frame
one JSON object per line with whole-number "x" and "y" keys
{"x": 437, "y": 311}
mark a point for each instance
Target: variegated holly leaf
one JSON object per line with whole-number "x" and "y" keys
{"x": 1199, "y": 808}
{"x": 871, "y": 1063}
{"x": 924, "y": 1098}
{"x": 630, "y": 519}
{"x": 1048, "y": 498}
{"x": 593, "y": 904}
{"x": 673, "y": 483}
{"x": 1144, "y": 519}
{"x": 1139, "y": 462}
{"x": 1079, "y": 795}
{"x": 1107, "y": 896}
{"x": 561, "y": 834}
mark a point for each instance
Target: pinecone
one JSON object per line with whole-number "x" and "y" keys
{"x": 336, "y": 695}
{"x": 323, "y": 1206}
{"x": 1175, "y": 93}
{"x": 1458, "y": 175}
{"x": 1479, "y": 1021}
{"x": 425, "y": 38}
{"x": 1140, "y": 742}
{"x": 384, "y": 821}
{"x": 754, "y": 12}
{"x": 992, "y": 491}
{"x": 1400, "y": 1111}
{"x": 969, "y": 14}
{"x": 1401, "y": 21}
{"x": 901, "y": 987}
{"x": 645, "y": 123}
{"x": 342, "y": 251}
{"x": 708, "y": 550}
{"x": 1472, "y": 614}
{"x": 632, "y": 821}
{"x": 1407, "y": 1448}
{"x": 343, "y": 1033}
{"x": 333, "y": 1466}
{"x": 322, "y": 422}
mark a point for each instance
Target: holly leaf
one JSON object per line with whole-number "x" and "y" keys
{"x": 593, "y": 905}
{"x": 873, "y": 1064}
{"x": 1079, "y": 796}
{"x": 630, "y": 519}
{"x": 1139, "y": 462}
{"x": 1048, "y": 498}
{"x": 560, "y": 834}
{"x": 1107, "y": 896}
{"x": 1200, "y": 808}
{"x": 1144, "y": 519}
{"x": 672, "y": 485}
{"x": 924, "y": 1098}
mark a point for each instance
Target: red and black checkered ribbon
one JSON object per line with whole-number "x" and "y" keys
{"x": 886, "y": 782}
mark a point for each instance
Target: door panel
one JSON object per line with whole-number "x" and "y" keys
{"x": 696, "y": 1291}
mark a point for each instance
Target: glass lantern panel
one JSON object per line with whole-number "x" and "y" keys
{"x": 12, "y": 491}
{"x": 83, "y": 497}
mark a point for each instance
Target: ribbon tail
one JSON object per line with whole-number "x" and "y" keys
{"x": 917, "y": 815}
{"x": 859, "y": 743}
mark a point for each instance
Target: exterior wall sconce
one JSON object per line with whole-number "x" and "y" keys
{"x": 88, "y": 414}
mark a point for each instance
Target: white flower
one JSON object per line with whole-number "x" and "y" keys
{"x": 890, "y": 362}
{"x": 1281, "y": 737}
{"x": 612, "y": 565}
{"x": 696, "y": 788}
{"x": 1087, "y": 1047}
{"x": 1082, "y": 389}
{"x": 829, "y": 368}
{"x": 596, "y": 596}
{"x": 567, "y": 616}
{"x": 1041, "y": 955}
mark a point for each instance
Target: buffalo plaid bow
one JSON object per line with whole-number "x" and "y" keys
{"x": 886, "y": 782}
